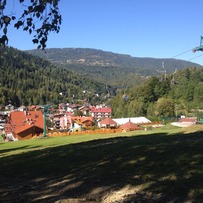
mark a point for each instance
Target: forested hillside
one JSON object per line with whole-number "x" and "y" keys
{"x": 175, "y": 95}
{"x": 111, "y": 68}
{"x": 26, "y": 79}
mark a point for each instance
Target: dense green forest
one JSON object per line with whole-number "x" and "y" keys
{"x": 26, "y": 80}
{"x": 175, "y": 95}
{"x": 109, "y": 75}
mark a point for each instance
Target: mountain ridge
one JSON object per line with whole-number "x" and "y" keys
{"x": 97, "y": 57}
{"x": 111, "y": 68}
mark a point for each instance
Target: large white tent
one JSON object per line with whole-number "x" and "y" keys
{"x": 136, "y": 120}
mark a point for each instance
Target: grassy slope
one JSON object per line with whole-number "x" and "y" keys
{"x": 159, "y": 165}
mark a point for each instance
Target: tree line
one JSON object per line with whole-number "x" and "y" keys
{"x": 175, "y": 95}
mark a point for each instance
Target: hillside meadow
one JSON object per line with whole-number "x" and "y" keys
{"x": 161, "y": 165}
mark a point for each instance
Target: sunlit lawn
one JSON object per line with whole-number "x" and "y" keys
{"x": 8, "y": 148}
{"x": 160, "y": 165}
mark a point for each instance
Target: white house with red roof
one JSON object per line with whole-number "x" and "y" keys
{"x": 101, "y": 113}
{"x": 107, "y": 123}
{"x": 185, "y": 122}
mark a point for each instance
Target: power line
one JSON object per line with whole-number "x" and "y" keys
{"x": 181, "y": 53}
{"x": 195, "y": 57}
{"x": 186, "y": 52}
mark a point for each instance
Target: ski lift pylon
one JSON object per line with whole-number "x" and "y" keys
{"x": 200, "y": 47}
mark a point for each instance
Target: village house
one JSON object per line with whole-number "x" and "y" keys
{"x": 100, "y": 113}
{"x": 75, "y": 122}
{"x": 185, "y": 122}
{"x": 65, "y": 122}
{"x": 85, "y": 110}
{"x": 83, "y": 121}
{"x": 24, "y": 125}
{"x": 55, "y": 119}
{"x": 107, "y": 123}
{"x": 73, "y": 107}
{"x": 129, "y": 126}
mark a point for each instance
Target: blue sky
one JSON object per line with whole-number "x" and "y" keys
{"x": 140, "y": 28}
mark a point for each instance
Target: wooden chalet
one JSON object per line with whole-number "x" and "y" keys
{"x": 25, "y": 124}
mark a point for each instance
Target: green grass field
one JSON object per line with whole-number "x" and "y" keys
{"x": 161, "y": 165}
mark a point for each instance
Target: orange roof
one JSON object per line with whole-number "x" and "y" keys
{"x": 130, "y": 126}
{"x": 86, "y": 119}
{"x": 82, "y": 119}
{"x": 24, "y": 119}
{"x": 25, "y": 127}
{"x": 7, "y": 128}
{"x": 108, "y": 121}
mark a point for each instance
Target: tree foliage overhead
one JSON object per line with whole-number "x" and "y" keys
{"x": 38, "y": 17}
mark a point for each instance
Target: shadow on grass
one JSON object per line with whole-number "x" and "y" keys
{"x": 8, "y": 150}
{"x": 149, "y": 168}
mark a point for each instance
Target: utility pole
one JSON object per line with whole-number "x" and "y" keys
{"x": 46, "y": 108}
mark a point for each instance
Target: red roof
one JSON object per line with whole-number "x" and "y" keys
{"x": 82, "y": 118}
{"x": 26, "y": 127}
{"x": 188, "y": 120}
{"x": 8, "y": 128}
{"x": 22, "y": 120}
{"x": 108, "y": 121}
{"x": 101, "y": 110}
{"x": 130, "y": 126}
